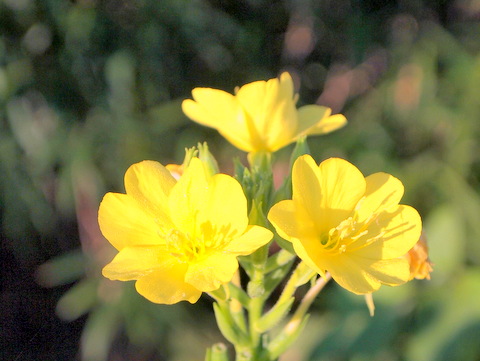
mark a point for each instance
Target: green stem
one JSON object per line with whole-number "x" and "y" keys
{"x": 236, "y": 308}
{"x": 255, "y": 308}
{"x": 217, "y": 352}
{"x": 243, "y": 354}
{"x": 254, "y": 314}
{"x": 250, "y": 352}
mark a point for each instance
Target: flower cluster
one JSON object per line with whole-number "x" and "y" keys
{"x": 182, "y": 230}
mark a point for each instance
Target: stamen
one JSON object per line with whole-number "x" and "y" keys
{"x": 347, "y": 233}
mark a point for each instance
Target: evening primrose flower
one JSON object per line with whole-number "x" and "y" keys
{"x": 261, "y": 116}
{"x": 351, "y": 226}
{"x": 177, "y": 239}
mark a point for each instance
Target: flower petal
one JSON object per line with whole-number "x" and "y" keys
{"x": 272, "y": 115}
{"x": 350, "y": 274}
{"x": 307, "y": 194}
{"x": 361, "y": 275}
{"x": 226, "y": 205}
{"x": 309, "y": 116}
{"x": 125, "y": 223}
{"x": 395, "y": 233}
{"x": 252, "y": 97}
{"x": 392, "y": 272}
{"x": 188, "y": 197}
{"x": 259, "y": 99}
{"x": 316, "y": 119}
{"x": 210, "y": 273}
{"x": 220, "y": 110}
{"x": 286, "y": 86}
{"x": 218, "y": 201}
{"x": 342, "y": 187}
{"x": 310, "y": 252}
{"x": 355, "y": 279}
{"x": 254, "y": 238}
{"x": 211, "y": 107}
{"x": 150, "y": 183}
{"x": 288, "y": 222}
{"x": 132, "y": 263}
{"x": 329, "y": 192}
{"x": 328, "y": 124}
{"x": 235, "y": 136}
{"x": 282, "y": 126}
{"x": 167, "y": 286}
{"x": 382, "y": 192}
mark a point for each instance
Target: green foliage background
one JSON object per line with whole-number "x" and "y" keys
{"x": 89, "y": 87}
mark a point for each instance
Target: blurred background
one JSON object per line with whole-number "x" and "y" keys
{"x": 88, "y": 87}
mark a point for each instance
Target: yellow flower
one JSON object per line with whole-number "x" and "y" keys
{"x": 177, "y": 239}
{"x": 262, "y": 116}
{"x": 351, "y": 226}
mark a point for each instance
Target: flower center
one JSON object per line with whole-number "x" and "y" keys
{"x": 340, "y": 238}
{"x": 192, "y": 246}
{"x": 183, "y": 246}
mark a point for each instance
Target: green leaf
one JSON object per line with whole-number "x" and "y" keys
{"x": 274, "y": 316}
{"x": 239, "y": 294}
{"x": 286, "y": 337}
{"x": 279, "y": 259}
{"x": 304, "y": 274}
{"x": 227, "y": 325}
{"x": 274, "y": 278}
{"x": 246, "y": 264}
{"x": 78, "y": 300}
{"x": 99, "y": 333}
{"x": 239, "y": 169}
{"x": 220, "y": 294}
{"x": 62, "y": 270}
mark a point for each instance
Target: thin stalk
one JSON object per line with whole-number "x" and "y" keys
{"x": 307, "y": 302}
{"x": 294, "y": 327}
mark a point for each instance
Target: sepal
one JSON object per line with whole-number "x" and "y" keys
{"x": 276, "y": 314}
{"x": 286, "y": 337}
